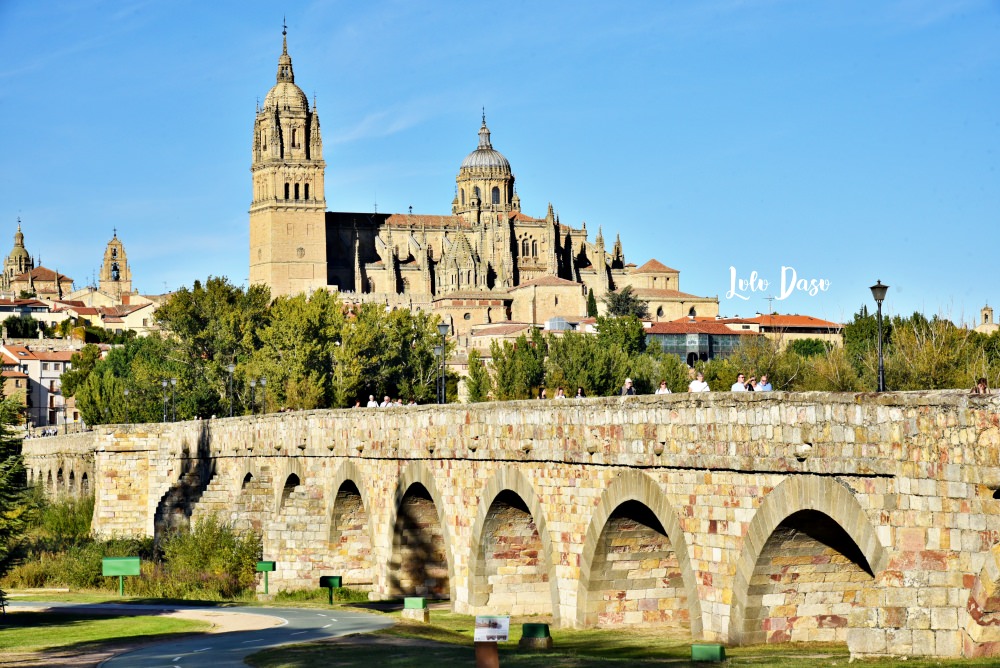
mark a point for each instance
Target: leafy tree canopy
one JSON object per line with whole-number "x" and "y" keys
{"x": 624, "y": 302}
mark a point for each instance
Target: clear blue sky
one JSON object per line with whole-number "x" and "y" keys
{"x": 852, "y": 141}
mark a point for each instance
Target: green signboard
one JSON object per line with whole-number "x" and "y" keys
{"x": 120, "y": 567}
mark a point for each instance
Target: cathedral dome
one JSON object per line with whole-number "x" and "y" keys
{"x": 485, "y": 157}
{"x": 286, "y": 95}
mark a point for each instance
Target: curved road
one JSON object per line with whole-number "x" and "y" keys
{"x": 224, "y": 650}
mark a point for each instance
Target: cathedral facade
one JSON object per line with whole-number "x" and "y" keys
{"x": 486, "y": 262}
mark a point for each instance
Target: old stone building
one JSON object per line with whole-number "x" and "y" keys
{"x": 471, "y": 265}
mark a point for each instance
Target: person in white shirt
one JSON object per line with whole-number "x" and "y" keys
{"x": 386, "y": 402}
{"x": 698, "y": 384}
{"x": 371, "y": 401}
{"x": 560, "y": 393}
{"x": 739, "y": 385}
{"x": 663, "y": 389}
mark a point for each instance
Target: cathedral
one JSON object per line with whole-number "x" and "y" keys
{"x": 487, "y": 262}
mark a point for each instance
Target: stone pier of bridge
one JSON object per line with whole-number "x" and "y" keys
{"x": 870, "y": 519}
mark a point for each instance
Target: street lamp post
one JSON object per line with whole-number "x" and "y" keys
{"x": 878, "y": 292}
{"x": 231, "y": 368}
{"x": 125, "y": 392}
{"x": 443, "y": 331}
{"x": 164, "y": 383}
{"x": 173, "y": 400}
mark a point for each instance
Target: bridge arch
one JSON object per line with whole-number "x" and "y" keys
{"x": 814, "y": 503}
{"x": 511, "y": 480}
{"x": 350, "y": 547}
{"x": 414, "y": 476}
{"x": 633, "y": 489}
{"x": 290, "y": 467}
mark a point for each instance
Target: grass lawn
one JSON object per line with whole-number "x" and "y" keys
{"x": 35, "y": 631}
{"x": 447, "y": 641}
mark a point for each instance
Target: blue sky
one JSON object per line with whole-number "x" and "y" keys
{"x": 850, "y": 141}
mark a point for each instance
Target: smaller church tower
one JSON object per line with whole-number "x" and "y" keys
{"x": 18, "y": 262}
{"x": 116, "y": 277}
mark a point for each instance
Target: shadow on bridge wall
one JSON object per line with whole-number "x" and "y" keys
{"x": 173, "y": 512}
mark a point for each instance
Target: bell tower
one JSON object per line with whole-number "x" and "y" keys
{"x": 288, "y": 210}
{"x": 116, "y": 277}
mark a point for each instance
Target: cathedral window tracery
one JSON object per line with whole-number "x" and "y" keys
{"x": 496, "y": 195}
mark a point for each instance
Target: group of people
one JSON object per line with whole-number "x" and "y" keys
{"x": 560, "y": 393}
{"x": 387, "y": 402}
{"x": 743, "y": 385}
{"x": 699, "y": 385}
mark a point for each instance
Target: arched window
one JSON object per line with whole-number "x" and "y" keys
{"x": 296, "y": 191}
{"x": 307, "y": 192}
{"x": 468, "y": 278}
{"x": 286, "y": 190}
{"x": 692, "y": 312}
{"x": 295, "y": 139}
{"x": 659, "y": 312}
{"x": 496, "y": 195}
{"x": 475, "y": 192}
{"x": 534, "y": 249}
{"x": 463, "y": 195}
{"x": 525, "y": 248}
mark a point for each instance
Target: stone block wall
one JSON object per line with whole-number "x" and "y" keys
{"x": 764, "y": 517}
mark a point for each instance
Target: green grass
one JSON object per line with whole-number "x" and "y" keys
{"x": 447, "y": 641}
{"x": 36, "y": 631}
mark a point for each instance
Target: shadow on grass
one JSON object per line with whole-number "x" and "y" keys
{"x": 75, "y": 632}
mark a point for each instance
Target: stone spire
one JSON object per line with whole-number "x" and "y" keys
{"x": 484, "y": 134}
{"x": 285, "y": 72}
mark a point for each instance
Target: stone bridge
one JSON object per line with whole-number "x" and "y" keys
{"x": 740, "y": 518}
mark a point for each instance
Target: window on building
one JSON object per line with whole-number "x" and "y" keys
{"x": 525, "y": 248}
{"x": 462, "y": 191}
{"x": 45, "y": 366}
{"x": 556, "y": 300}
{"x": 475, "y": 192}
{"x": 306, "y": 195}
{"x": 286, "y": 191}
{"x": 296, "y": 191}
{"x": 55, "y": 366}
{"x": 692, "y": 312}
{"x": 534, "y": 249}
{"x": 295, "y": 140}
{"x": 17, "y": 382}
{"x": 496, "y": 195}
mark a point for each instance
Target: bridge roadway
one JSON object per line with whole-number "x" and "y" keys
{"x": 760, "y": 517}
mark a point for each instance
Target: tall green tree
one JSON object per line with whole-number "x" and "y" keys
{"x": 17, "y": 508}
{"x": 478, "y": 382}
{"x": 624, "y": 332}
{"x": 625, "y": 302}
{"x": 518, "y": 367}
{"x": 81, "y": 364}
{"x": 591, "y": 304}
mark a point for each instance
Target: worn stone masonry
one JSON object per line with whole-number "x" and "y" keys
{"x": 743, "y": 518}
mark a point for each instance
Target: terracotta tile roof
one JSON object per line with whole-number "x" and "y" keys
{"x": 547, "y": 281}
{"x": 517, "y": 215}
{"x": 656, "y": 293}
{"x": 69, "y": 302}
{"x": 42, "y": 274}
{"x": 86, "y": 310}
{"x": 19, "y": 353}
{"x": 502, "y": 329}
{"x": 780, "y": 321}
{"x": 13, "y": 373}
{"x": 687, "y": 326}
{"x": 654, "y": 267}
{"x": 54, "y": 355}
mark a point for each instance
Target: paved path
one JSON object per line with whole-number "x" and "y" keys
{"x": 225, "y": 650}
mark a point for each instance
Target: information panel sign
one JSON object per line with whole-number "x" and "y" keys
{"x": 492, "y": 629}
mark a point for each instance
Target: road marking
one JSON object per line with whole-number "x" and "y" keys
{"x": 298, "y": 633}
{"x": 254, "y": 640}
{"x": 176, "y": 659}
{"x": 203, "y": 649}
{"x": 332, "y": 619}
{"x": 321, "y": 614}
{"x": 328, "y": 626}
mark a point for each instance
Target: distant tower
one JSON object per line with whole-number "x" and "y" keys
{"x": 116, "y": 277}
{"x": 288, "y": 211}
{"x": 18, "y": 262}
